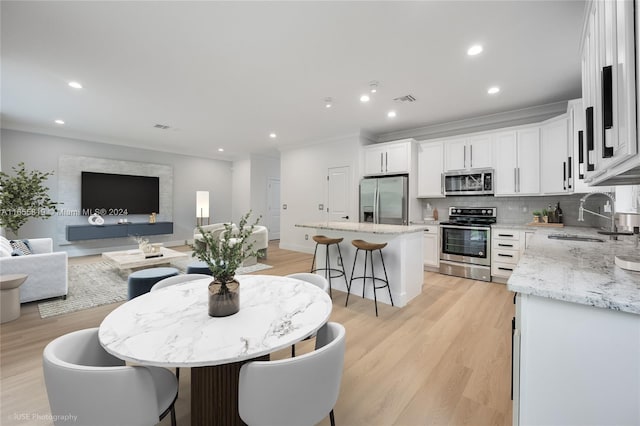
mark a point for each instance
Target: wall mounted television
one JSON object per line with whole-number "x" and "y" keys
{"x": 115, "y": 194}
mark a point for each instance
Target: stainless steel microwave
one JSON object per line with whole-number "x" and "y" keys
{"x": 469, "y": 182}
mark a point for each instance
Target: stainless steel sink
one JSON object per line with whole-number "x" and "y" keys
{"x": 574, "y": 237}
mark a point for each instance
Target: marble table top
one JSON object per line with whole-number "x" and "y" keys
{"x": 171, "y": 327}
{"x": 367, "y": 227}
{"x": 578, "y": 271}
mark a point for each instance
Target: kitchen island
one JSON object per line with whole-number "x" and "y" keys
{"x": 576, "y": 334}
{"x": 403, "y": 257}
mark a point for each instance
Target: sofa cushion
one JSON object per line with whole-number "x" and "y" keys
{"x": 20, "y": 247}
{"x": 5, "y": 247}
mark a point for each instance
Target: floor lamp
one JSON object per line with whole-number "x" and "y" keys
{"x": 202, "y": 207}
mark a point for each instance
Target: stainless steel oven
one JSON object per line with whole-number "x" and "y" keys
{"x": 465, "y": 249}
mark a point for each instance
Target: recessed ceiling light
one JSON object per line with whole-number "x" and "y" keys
{"x": 75, "y": 85}
{"x": 373, "y": 86}
{"x": 220, "y": 149}
{"x": 328, "y": 102}
{"x": 364, "y": 98}
{"x": 273, "y": 135}
{"x": 59, "y": 122}
{"x": 391, "y": 114}
{"x": 493, "y": 90}
{"x": 474, "y": 50}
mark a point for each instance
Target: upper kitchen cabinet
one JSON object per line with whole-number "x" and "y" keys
{"x": 555, "y": 156}
{"x": 388, "y": 158}
{"x": 609, "y": 93}
{"x": 518, "y": 162}
{"x": 473, "y": 152}
{"x": 430, "y": 168}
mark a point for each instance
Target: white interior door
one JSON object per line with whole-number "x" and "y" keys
{"x": 273, "y": 208}
{"x": 339, "y": 194}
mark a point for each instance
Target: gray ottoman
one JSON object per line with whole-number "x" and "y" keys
{"x": 198, "y": 267}
{"x": 140, "y": 282}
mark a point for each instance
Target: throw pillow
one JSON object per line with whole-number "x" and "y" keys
{"x": 20, "y": 247}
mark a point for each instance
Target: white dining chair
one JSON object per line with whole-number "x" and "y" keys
{"x": 294, "y": 391}
{"x": 177, "y": 279}
{"x": 318, "y": 281}
{"x": 98, "y": 389}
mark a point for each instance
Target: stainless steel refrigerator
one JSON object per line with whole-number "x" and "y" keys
{"x": 385, "y": 200}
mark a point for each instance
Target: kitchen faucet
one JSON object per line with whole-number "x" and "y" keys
{"x": 612, "y": 233}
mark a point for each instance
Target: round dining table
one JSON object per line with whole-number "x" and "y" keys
{"x": 171, "y": 327}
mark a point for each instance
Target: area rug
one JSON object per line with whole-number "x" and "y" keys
{"x": 100, "y": 283}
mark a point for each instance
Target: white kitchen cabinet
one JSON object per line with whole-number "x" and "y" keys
{"x": 609, "y": 90}
{"x": 469, "y": 152}
{"x": 431, "y": 248}
{"x": 574, "y": 364}
{"x": 506, "y": 247}
{"x": 388, "y": 158}
{"x": 518, "y": 162}
{"x": 554, "y": 155}
{"x": 430, "y": 168}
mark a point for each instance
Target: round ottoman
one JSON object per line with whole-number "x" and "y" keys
{"x": 198, "y": 267}
{"x": 10, "y": 296}
{"x": 140, "y": 282}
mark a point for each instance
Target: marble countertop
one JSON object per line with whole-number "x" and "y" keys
{"x": 578, "y": 271}
{"x": 367, "y": 227}
{"x": 171, "y": 327}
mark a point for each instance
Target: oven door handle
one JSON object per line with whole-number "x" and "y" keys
{"x": 475, "y": 228}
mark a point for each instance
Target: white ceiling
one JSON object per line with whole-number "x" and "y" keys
{"x": 226, "y": 74}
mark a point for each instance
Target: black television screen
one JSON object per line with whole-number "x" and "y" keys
{"x": 113, "y": 194}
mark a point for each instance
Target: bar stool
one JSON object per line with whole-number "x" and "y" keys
{"x": 369, "y": 248}
{"x": 326, "y": 241}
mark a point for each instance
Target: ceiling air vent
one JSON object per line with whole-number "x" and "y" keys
{"x": 161, "y": 126}
{"x": 405, "y": 98}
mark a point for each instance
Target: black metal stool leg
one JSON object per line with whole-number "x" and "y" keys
{"x": 327, "y": 264}
{"x": 355, "y": 259}
{"x": 386, "y": 277}
{"x": 373, "y": 282}
{"x": 313, "y": 262}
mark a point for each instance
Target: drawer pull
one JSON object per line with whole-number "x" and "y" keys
{"x": 505, "y": 255}
{"x": 505, "y": 269}
{"x": 505, "y": 245}
{"x": 506, "y": 235}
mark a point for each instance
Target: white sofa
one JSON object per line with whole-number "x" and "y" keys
{"x": 46, "y": 269}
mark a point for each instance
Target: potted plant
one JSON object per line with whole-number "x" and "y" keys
{"x": 545, "y": 215}
{"x": 223, "y": 256}
{"x": 536, "y": 216}
{"x": 24, "y": 196}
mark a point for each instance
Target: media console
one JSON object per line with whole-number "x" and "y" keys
{"x": 117, "y": 230}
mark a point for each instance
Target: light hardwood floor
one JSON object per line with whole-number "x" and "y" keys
{"x": 444, "y": 359}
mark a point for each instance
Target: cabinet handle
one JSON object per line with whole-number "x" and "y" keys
{"x": 442, "y": 183}
{"x": 464, "y": 154}
{"x": 590, "y": 147}
{"x": 580, "y": 154}
{"x": 386, "y": 161}
{"x": 381, "y": 164}
{"x": 569, "y": 173}
{"x": 505, "y": 269}
{"x": 505, "y": 245}
{"x": 515, "y": 180}
{"x": 506, "y": 235}
{"x": 607, "y": 108}
{"x": 564, "y": 175}
{"x": 470, "y": 155}
{"x": 518, "y": 178}
{"x": 505, "y": 255}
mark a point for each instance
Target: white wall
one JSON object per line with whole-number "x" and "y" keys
{"x": 241, "y": 188}
{"x": 190, "y": 174}
{"x": 303, "y": 183}
{"x": 250, "y": 185}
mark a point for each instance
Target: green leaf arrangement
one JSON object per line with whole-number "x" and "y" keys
{"x": 224, "y": 256}
{"x": 23, "y": 196}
